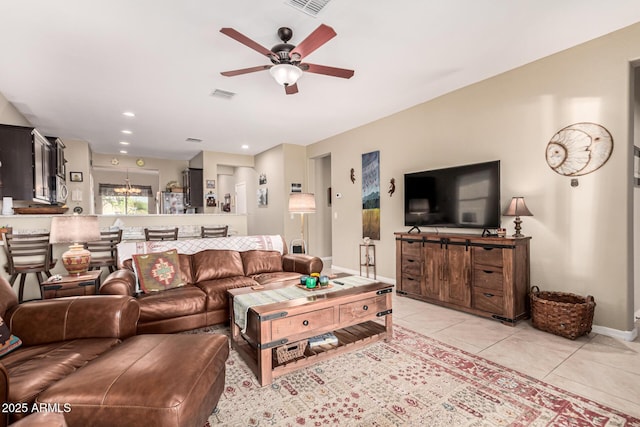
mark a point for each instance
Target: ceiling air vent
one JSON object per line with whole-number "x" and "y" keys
{"x": 310, "y": 7}
{"x": 225, "y": 94}
{"x": 193, "y": 140}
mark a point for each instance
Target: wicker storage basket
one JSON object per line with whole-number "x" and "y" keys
{"x": 287, "y": 352}
{"x": 560, "y": 313}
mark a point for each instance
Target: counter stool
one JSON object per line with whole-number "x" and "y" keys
{"x": 104, "y": 252}
{"x": 27, "y": 253}
{"x": 160, "y": 234}
{"x": 219, "y": 231}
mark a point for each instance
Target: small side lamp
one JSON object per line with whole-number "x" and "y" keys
{"x": 517, "y": 208}
{"x": 77, "y": 230}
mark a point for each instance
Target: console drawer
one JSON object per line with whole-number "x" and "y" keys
{"x": 307, "y": 322}
{"x": 488, "y": 300}
{"x": 412, "y": 266}
{"x": 412, "y": 248}
{"x": 359, "y": 311}
{"x": 488, "y": 256}
{"x": 411, "y": 284}
{"x": 489, "y": 278}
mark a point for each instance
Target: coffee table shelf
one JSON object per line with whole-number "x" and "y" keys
{"x": 358, "y": 335}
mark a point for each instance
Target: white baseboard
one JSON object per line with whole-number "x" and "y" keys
{"x": 616, "y": 333}
{"x": 357, "y": 273}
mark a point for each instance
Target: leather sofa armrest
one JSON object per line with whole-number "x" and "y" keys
{"x": 63, "y": 319}
{"x": 4, "y": 394}
{"x": 120, "y": 282}
{"x": 301, "y": 263}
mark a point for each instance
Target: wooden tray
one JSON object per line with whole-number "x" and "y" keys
{"x": 41, "y": 210}
{"x": 317, "y": 288}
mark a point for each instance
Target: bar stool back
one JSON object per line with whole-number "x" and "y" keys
{"x": 104, "y": 252}
{"x": 160, "y": 234}
{"x": 221, "y": 231}
{"x": 28, "y": 253}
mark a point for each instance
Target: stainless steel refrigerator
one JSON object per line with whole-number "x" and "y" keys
{"x": 171, "y": 203}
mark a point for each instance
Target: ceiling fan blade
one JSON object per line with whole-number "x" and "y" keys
{"x": 245, "y": 70}
{"x": 317, "y": 38}
{"x": 237, "y": 36}
{"x": 291, "y": 89}
{"x": 329, "y": 71}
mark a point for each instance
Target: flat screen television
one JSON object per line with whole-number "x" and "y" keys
{"x": 466, "y": 196}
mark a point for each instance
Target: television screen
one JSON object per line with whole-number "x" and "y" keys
{"x": 465, "y": 196}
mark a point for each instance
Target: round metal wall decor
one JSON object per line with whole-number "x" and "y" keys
{"x": 579, "y": 149}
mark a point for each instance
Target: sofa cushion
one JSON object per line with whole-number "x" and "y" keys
{"x": 216, "y": 264}
{"x": 35, "y": 368}
{"x": 216, "y": 290}
{"x": 175, "y": 302}
{"x": 8, "y": 341}
{"x": 259, "y": 261}
{"x": 158, "y": 271}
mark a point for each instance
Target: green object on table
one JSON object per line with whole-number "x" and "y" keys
{"x": 311, "y": 282}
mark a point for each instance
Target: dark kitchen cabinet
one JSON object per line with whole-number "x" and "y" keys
{"x": 25, "y": 165}
{"x": 193, "y": 188}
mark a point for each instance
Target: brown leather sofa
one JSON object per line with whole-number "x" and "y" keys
{"x": 79, "y": 357}
{"x": 207, "y": 275}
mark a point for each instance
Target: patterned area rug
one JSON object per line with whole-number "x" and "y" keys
{"x": 412, "y": 381}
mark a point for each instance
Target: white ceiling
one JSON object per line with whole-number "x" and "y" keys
{"x": 72, "y": 67}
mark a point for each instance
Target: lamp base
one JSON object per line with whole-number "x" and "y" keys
{"x": 518, "y": 228}
{"x": 76, "y": 260}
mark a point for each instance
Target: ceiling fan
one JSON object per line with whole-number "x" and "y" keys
{"x": 287, "y": 66}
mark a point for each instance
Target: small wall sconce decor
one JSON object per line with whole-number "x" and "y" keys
{"x": 353, "y": 176}
{"x": 392, "y": 187}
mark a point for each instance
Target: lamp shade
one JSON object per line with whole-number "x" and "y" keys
{"x": 517, "y": 207}
{"x": 77, "y": 230}
{"x": 285, "y": 74}
{"x": 302, "y": 203}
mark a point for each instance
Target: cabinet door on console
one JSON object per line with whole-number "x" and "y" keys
{"x": 433, "y": 272}
{"x": 457, "y": 275}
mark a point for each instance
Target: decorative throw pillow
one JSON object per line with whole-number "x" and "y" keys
{"x": 158, "y": 271}
{"x": 8, "y": 342}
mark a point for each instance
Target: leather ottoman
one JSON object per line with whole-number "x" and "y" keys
{"x": 159, "y": 380}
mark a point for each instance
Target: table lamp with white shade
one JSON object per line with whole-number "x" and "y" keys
{"x": 77, "y": 230}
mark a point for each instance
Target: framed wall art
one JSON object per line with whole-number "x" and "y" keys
{"x": 75, "y": 176}
{"x": 371, "y": 195}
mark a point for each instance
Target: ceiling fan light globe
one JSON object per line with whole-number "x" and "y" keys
{"x": 285, "y": 74}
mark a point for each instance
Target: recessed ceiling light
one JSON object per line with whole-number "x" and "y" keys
{"x": 245, "y": 147}
{"x": 129, "y": 114}
{"x": 127, "y": 132}
{"x": 124, "y": 143}
{"x": 123, "y": 151}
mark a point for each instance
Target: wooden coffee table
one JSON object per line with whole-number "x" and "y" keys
{"x": 350, "y": 314}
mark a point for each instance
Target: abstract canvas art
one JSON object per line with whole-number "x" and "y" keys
{"x": 371, "y": 195}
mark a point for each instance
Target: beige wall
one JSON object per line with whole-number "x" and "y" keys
{"x": 581, "y": 235}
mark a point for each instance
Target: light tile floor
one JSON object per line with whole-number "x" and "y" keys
{"x": 597, "y": 367}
